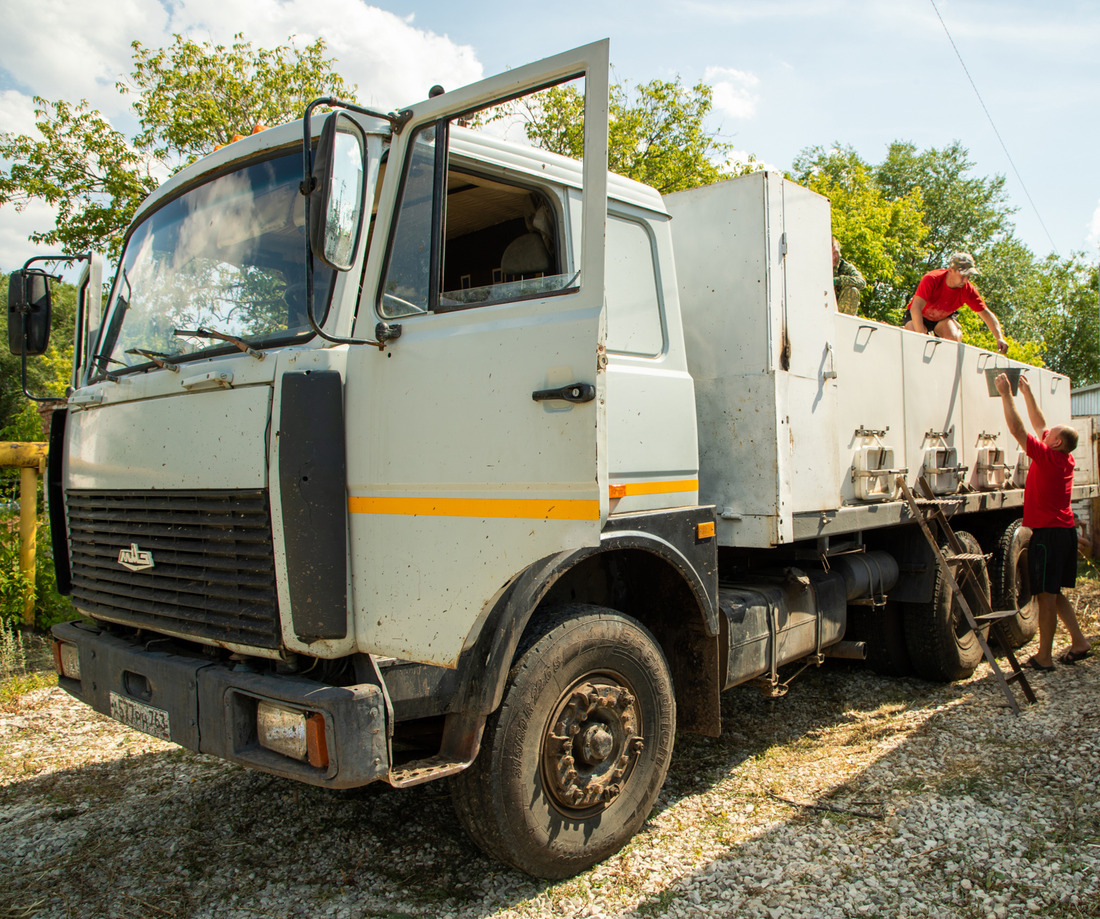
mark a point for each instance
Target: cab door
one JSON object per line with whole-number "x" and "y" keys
{"x": 475, "y": 438}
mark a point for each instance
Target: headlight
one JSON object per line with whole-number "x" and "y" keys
{"x": 290, "y": 732}
{"x": 66, "y": 659}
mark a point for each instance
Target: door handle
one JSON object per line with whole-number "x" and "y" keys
{"x": 574, "y": 392}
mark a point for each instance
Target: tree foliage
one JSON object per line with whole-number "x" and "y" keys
{"x": 656, "y": 132}
{"x": 873, "y": 211}
{"x": 1067, "y": 321}
{"x": 81, "y": 166}
{"x": 879, "y": 234}
{"x": 191, "y": 96}
{"x": 188, "y": 98}
{"x": 962, "y": 212}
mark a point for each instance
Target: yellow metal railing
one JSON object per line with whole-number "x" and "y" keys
{"x": 31, "y": 460}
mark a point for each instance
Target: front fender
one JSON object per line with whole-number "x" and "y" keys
{"x": 672, "y": 536}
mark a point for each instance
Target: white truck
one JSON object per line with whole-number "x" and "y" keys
{"x": 401, "y": 451}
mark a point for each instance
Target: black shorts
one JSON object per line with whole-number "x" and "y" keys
{"x": 930, "y": 324}
{"x": 1052, "y": 559}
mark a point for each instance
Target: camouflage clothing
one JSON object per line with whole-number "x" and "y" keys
{"x": 847, "y": 282}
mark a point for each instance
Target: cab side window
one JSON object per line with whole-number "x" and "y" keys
{"x": 633, "y": 295}
{"x": 470, "y": 239}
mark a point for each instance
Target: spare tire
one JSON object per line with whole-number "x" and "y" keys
{"x": 1011, "y": 586}
{"x": 942, "y": 646}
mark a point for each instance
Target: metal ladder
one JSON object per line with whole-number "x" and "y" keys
{"x": 955, "y": 557}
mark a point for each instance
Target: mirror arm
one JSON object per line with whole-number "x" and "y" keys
{"x": 27, "y": 392}
{"x": 307, "y": 187}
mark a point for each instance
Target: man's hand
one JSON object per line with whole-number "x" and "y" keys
{"x": 1024, "y": 385}
{"x": 1004, "y": 387}
{"x": 1002, "y": 346}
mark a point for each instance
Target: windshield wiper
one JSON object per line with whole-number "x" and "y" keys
{"x": 103, "y": 360}
{"x": 202, "y": 332}
{"x": 157, "y": 357}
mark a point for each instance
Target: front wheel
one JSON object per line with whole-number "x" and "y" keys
{"x": 573, "y": 760}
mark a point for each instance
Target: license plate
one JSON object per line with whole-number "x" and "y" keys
{"x": 139, "y": 716}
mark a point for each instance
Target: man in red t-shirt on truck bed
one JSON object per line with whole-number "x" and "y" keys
{"x": 942, "y": 293}
{"x": 1052, "y": 552}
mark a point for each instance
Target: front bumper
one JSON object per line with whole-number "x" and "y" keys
{"x": 211, "y": 706}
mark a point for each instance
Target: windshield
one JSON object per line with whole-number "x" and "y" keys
{"x": 228, "y": 257}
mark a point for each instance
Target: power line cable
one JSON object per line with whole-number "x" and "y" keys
{"x": 993, "y": 124}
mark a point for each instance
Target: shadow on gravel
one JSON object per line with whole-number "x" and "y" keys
{"x": 179, "y": 835}
{"x": 975, "y": 813}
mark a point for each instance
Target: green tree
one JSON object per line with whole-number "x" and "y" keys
{"x": 192, "y": 96}
{"x": 82, "y": 167}
{"x": 656, "y": 132}
{"x": 1066, "y": 316}
{"x": 961, "y": 211}
{"x": 1009, "y": 283}
{"x": 882, "y": 236}
{"x": 188, "y": 98}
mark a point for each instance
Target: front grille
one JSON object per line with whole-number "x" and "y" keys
{"x": 213, "y": 574}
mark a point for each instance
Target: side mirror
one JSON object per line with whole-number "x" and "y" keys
{"x": 336, "y": 213}
{"x": 28, "y": 312}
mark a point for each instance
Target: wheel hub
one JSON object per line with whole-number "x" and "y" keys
{"x": 592, "y": 744}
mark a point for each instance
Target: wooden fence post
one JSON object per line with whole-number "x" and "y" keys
{"x": 31, "y": 460}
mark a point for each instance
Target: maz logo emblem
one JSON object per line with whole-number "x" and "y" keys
{"x": 135, "y": 559}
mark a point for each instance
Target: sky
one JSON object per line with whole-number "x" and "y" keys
{"x": 787, "y": 74}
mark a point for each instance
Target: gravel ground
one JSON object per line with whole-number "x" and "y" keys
{"x": 854, "y": 795}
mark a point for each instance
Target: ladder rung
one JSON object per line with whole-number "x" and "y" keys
{"x": 997, "y": 614}
{"x": 965, "y": 557}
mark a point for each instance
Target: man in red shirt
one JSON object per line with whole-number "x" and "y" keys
{"x": 942, "y": 293}
{"x": 1052, "y": 552}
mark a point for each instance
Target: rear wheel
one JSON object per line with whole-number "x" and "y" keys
{"x": 573, "y": 760}
{"x": 942, "y": 646}
{"x": 1011, "y": 585}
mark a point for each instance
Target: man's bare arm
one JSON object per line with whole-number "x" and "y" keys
{"x": 1035, "y": 416}
{"x": 994, "y": 324}
{"x": 1012, "y": 415}
{"x": 916, "y": 313}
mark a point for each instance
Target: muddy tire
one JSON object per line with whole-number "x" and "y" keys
{"x": 942, "y": 646}
{"x": 573, "y": 760}
{"x": 1011, "y": 586}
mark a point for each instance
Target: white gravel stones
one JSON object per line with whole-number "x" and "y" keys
{"x": 942, "y": 804}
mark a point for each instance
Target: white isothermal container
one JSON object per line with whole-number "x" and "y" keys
{"x": 806, "y": 415}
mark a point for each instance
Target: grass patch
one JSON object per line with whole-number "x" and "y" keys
{"x": 26, "y": 663}
{"x": 18, "y": 685}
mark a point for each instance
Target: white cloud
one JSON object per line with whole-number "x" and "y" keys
{"x": 1093, "y": 238}
{"x": 57, "y": 50}
{"x": 16, "y": 112}
{"x": 16, "y": 226}
{"x": 734, "y": 91}
{"x": 392, "y": 62}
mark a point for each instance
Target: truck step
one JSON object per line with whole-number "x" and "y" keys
{"x": 424, "y": 770}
